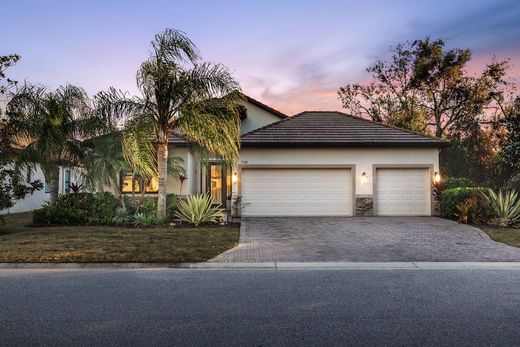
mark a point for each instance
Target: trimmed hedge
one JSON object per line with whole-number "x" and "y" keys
{"x": 451, "y": 197}
{"x": 457, "y": 182}
{"x": 48, "y": 215}
{"x": 78, "y": 208}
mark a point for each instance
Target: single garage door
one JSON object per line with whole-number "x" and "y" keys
{"x": 403, "y": 192}
{"x": 296, "y": 192}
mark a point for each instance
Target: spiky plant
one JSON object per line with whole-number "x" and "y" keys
{"x": 505, "y": 205}
{"x": 197, "y": 209}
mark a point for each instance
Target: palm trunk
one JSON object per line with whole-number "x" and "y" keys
{"x": 162, "y": 169}
{"x": 54, "y": 186}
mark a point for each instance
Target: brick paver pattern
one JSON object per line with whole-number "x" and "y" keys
{"x": 357, "y": 239}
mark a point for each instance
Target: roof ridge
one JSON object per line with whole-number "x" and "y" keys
{"x": 392, "y": 126}
{"x": 379, "y": 123}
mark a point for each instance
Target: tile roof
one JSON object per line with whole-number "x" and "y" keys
{"x": 178, "y": 140}
{"x": 334, "y": 129}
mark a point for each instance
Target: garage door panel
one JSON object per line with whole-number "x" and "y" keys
{"x": 403, "y": 192}
{"x": 296, "y": 192}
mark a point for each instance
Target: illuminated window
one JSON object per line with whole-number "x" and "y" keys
{"x": 129, "y": 185}
{"x": 153, "y": 186}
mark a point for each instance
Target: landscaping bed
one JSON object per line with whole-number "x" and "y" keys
{"x": 19, "y": 242}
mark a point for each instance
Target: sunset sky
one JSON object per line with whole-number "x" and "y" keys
{"x": 292, "y": 55}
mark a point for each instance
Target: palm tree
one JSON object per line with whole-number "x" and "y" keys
{"x": 179, "y": 93}
{"x": 50, "y": 127}
{"x": 103, "y": 163}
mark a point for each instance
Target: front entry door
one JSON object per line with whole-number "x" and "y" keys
{"x": 216, "y": 183}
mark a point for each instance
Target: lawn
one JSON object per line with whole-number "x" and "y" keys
{"x": 22, "y": 243}
{"x": 510, "y": 236}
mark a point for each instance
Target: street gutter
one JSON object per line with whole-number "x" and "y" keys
{"x": 271, "y": 265}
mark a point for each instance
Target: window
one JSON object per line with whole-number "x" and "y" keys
{"x": 66, "y": 181}
{"x": 153, "y": 186}
{"x": 130, "y": 183}
{"x": 46, "y": 187}
{"x": 134, "y": 183}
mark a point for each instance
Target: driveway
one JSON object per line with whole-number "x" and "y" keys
{"x": 373, "y": 239}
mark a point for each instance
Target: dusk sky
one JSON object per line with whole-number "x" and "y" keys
{"x": 292, "y": 55}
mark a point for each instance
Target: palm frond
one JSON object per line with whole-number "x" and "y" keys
{"x": 138, "y": 148}
{"x": 174, "y": 45}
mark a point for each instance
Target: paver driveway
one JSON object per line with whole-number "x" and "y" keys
{"x": 372, "y": 239}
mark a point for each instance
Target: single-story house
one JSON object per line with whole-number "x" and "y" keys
{"x": 312, "y": 164}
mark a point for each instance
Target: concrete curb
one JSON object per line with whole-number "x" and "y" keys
{"x": 270, "y": 265}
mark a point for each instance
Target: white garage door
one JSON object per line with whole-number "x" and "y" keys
{"x": 296, "y": 192}
{"x": 403, "y": 192}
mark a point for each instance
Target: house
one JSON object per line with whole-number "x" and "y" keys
{"x": 311, "y": 164}
{"x": 334, "y": 164}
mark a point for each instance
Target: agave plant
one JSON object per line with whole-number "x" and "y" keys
{"x": 197, "y": 209}
{"x": 505, "y": 205}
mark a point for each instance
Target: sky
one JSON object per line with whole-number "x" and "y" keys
{"x": 291, "y": 55}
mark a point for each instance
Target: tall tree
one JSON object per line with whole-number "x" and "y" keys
{"x": 13, "y": 184}
{"x": 50, "y": 126}
{"x": 510, "y": 154}
{"x": 179, "y": 92}
{"x": 7, "y": 61}
{"x": 424, "y": 85}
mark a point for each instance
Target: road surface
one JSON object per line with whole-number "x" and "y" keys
{"x": 259, "y": 307}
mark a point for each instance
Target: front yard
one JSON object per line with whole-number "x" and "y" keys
{"x": 510, "y": 236}
{"x": 21, "y": 243}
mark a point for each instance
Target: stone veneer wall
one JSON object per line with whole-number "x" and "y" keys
{"x": 364, "y": 206}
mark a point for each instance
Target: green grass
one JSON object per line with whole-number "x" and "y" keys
{"x": 510, "y": 236}
{"x": 22, "y": 243}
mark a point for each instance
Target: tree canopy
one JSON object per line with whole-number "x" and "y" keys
{"x": 425, "y": 86}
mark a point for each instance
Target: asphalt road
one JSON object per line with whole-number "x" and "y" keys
{"x": 259, "y": 307}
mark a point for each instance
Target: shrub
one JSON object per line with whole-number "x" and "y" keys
{"x": 76, "y": 200}
{"x": 103, "y": 208}
{"x": 513, "y": 183}
{"x": 504, "y": 205}
{"x": 149, "y": 205}
{"x": 55, "y": 215}
{"x": 473, "y": 209}
{"x": 197, "y": 209}
{"x": 457, "y": 182}
{"x": 41, "y": 215}
{"x": 171, "y": 203}
{"x": 143, "y": 220}
{"x": 121, "y": 216}
{"x": 450, "y": 198}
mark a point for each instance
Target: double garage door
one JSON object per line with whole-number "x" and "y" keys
{"x": 329, "y": 192}
{"x": 296, "y": 192}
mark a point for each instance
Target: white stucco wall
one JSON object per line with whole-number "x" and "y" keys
{"x": 39, "y": 197}
{"x": 189, "y": 164}
{"x": 256, "y": 118}
{"x": 363, "y": 159}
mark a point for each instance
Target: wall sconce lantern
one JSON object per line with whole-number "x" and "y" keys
{"x": 437, "y": 177}
{"x": 234, "y": 177}
{"x": 364, "y": 178}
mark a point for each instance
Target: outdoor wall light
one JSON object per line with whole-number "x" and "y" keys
{"x": 364, "y": 178}
{"x": 234, "y": 177}
{"x": 437, "y": 177}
